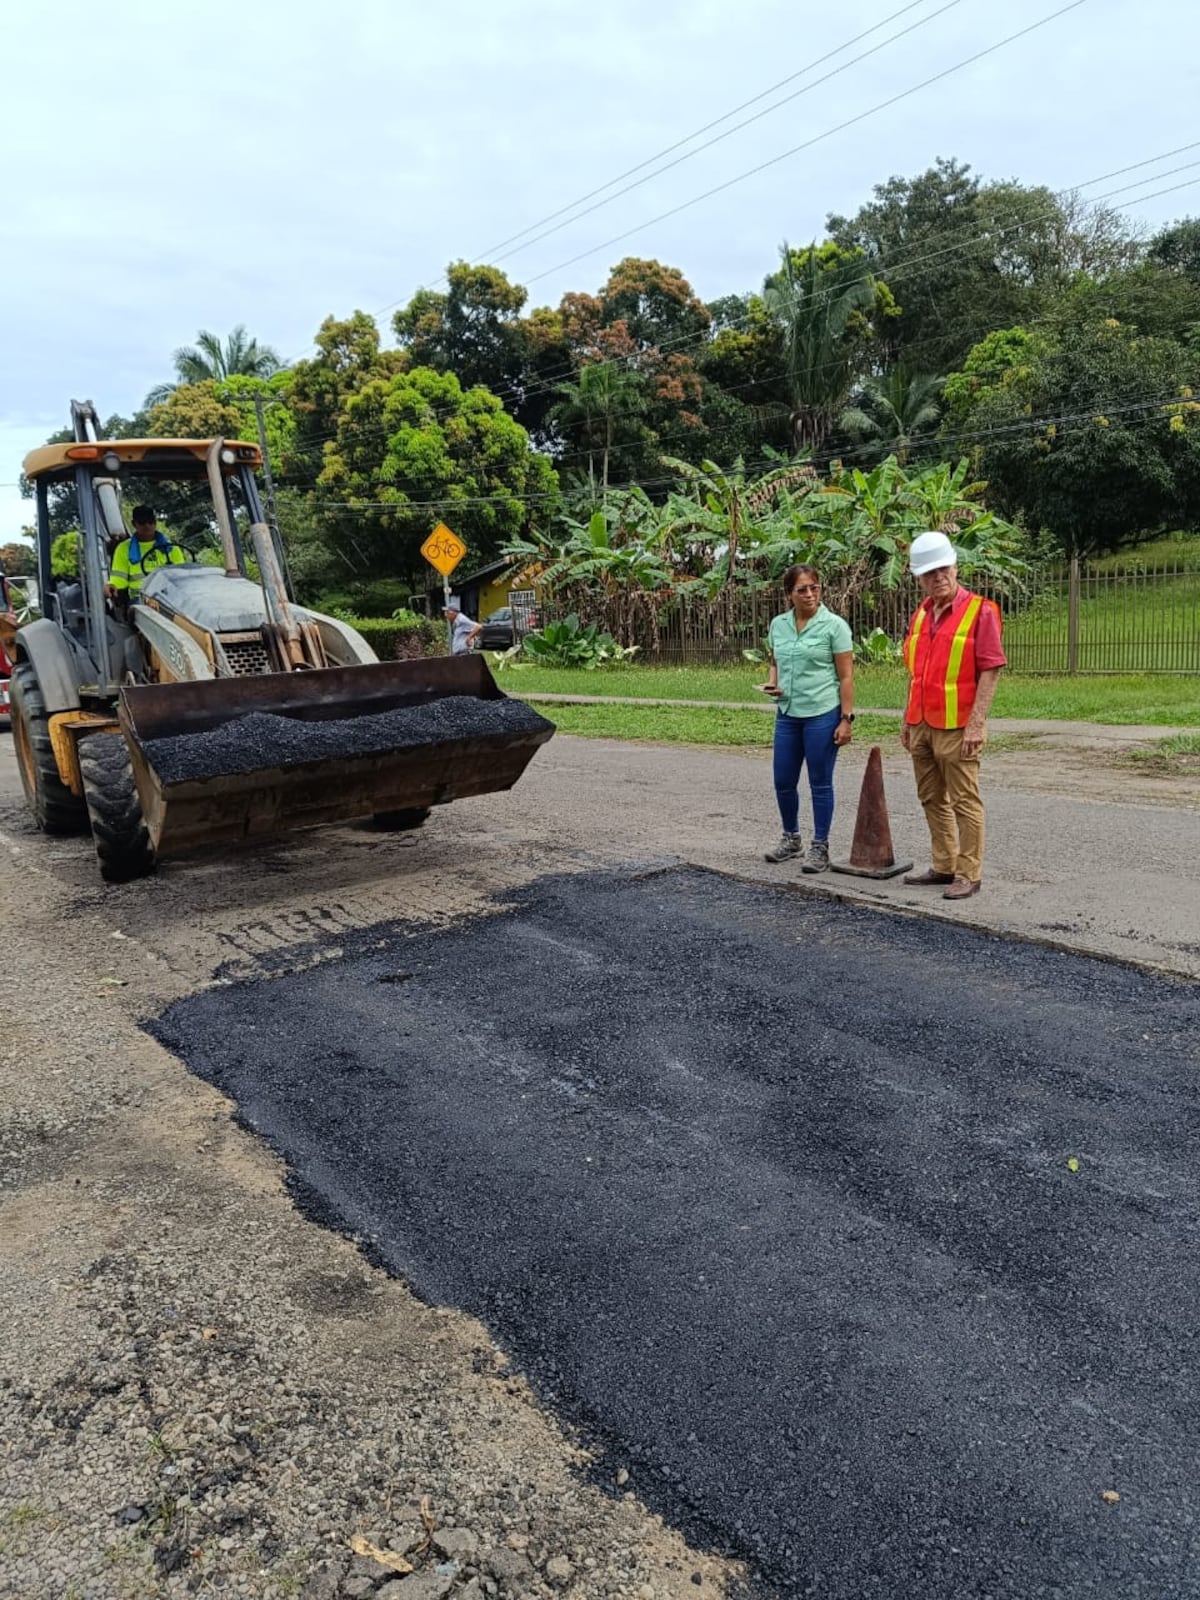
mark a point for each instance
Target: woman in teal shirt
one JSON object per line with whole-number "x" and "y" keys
{"x": 812, "y": 678}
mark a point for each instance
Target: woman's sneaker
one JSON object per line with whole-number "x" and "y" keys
{"x": 817, "y": 859}
{"x": 789, "y": 847}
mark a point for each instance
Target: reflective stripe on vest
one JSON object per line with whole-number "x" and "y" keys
{"x": 942, "y": 697}
{"x": 957, "y": 646}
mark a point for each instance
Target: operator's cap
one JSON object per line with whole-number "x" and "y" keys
{"x": 930, "y": 551}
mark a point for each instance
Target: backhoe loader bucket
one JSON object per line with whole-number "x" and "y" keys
{"x": 230, "y": 759}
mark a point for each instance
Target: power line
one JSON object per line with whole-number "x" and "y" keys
{"x": 890, "y": 272}
{"x": 729, "y": 132}
{"x": 807, "y": 144}
{"x": 828, "y": 133}
{"x": 492, "y": 250}
{"x": 1060, "y": 420}
{"x": 706, "y": 128}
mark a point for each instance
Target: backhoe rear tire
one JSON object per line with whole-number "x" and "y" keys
{"x": 400, "y": 821}
{"x": 122, "y": 843}
{"x": 55, "y": 809}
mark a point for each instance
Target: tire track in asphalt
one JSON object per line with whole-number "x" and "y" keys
{"x": 774, "y": 1197}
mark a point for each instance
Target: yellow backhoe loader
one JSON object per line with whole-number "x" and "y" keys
{"x": 212, "y": 708}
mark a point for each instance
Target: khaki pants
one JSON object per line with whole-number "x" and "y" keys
{"x": 948, "y": 789}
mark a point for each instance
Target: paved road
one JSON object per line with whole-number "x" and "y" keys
{"x": 129, "y": 1200}
{"x": 775, "y": 1197}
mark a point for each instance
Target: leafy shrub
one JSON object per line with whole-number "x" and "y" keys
{"x": 877, "y": 649}
{"x": 572, "y": 644}
{"x": 396, "y": 640}
{"x": 64, "y": 556}
{"x": 381, "y": 597}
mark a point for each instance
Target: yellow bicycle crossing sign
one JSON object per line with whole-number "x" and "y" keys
{"x": 443, "y": 549}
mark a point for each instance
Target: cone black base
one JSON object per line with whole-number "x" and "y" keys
{"x": 871, "y": 872}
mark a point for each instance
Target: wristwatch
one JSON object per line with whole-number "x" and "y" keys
{"x": 847, "y": 716}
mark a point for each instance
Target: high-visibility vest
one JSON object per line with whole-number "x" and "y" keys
{"x": 942, "y": 663}
{"x": 129, "y": 575}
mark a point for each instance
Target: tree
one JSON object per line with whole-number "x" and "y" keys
{"x": 1178, "y": 248}
{"x": 603, "y": 408}
{"x": 348, "y": 358}
{"x": 965, "y": 258}
{"x": 1148, "y": 298}
{"x": 858, "y": 528}
{"x": 415, "y": 448}
{"x": 18, "y": 559}
{"x": 209, "y": 360}
{"x": 1004, "y": 360}
{"x": 821, "y": 298}
{"x": 195, "y": 411}
{"x": 658, "y": 306}
{"x": 473, "y": 330}
{"x": 892, "y": 411}
{"x": 1091, "y": 434}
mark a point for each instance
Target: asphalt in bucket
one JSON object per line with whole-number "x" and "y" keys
{"x": 264, "y": 740}
{"x": 867, "y": 1245}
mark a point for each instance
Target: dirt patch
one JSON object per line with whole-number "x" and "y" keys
{"x": 1051, "y": 766}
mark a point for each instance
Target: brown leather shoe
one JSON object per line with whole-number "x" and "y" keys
{"x": 924, "y": 879}
{"x": 963, "y": 888}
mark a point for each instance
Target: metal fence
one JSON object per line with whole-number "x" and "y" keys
{"x": 1075, "y": 618}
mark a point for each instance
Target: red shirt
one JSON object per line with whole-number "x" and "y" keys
{"x": 989, "y": 652}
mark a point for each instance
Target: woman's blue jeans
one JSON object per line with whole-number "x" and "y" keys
{"x": 800, "y": 742}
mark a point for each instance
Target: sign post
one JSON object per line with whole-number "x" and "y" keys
{"x": 444, "y": 550}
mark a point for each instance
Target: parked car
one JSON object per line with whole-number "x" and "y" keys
{"x": 499, "y": 632}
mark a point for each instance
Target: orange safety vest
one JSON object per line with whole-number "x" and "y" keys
{"x": 942, "y": 663}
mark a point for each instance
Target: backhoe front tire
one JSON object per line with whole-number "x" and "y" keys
{"x": 400, "y": 821}
{"x": 55, "y": 809}
{"x": 122, "y": 843}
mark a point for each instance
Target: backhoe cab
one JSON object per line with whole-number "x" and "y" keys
{"x": 116, "y": 710}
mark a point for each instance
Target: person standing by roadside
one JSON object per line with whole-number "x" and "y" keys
{"x": 954, "y": 656}
{"x": 463, "y": 629}
{"x": 812, "y": 679}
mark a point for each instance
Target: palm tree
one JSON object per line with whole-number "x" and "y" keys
{"x": 888, "y": 413}
{"x": 819, "y": 298}
{"x": 605, "y": 392}
{"x": 208, "y": 360}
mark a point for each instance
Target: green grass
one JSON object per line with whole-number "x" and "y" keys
{"x": 1127, "y": 622}
{"x": 1173, "y": 548}
{"x": 687, "y": 725}
{"x": 1126, "y": 699}
{"x": 731, "y": 730}
{"x": 1120, "y": 699}
{"x": 659, "y": 683}
{"x": 1179, "y": 753}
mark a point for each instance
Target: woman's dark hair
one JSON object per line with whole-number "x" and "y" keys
{"x": 800, "y": 570}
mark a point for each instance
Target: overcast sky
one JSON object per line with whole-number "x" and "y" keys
{"x": 170, "y": 168}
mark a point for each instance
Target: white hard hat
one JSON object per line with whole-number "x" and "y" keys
{"x": 452, "y": 604}
{"x": 931, "y": 550}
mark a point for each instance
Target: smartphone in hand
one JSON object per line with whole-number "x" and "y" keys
{"x": 770, "y": 688}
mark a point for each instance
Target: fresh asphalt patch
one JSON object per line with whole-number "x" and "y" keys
{"x": 867, "y": 1245}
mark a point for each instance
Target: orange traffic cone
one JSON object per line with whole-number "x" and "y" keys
{"x": 871, "y": 854}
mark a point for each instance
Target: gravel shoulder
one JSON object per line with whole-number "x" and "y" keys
{"x": 200, "y": 1391}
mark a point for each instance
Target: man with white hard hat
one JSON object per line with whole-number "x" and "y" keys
{"x": 954, "y": 656}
